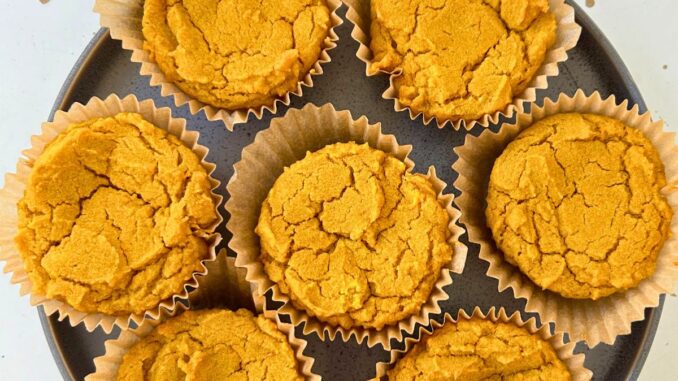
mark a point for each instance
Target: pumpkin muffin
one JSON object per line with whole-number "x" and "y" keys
{"x": 115, "y": 216}
{"x": 460, "y": 59}
{"x": 575, "y": 203}
{"x": 476, "y": 349}
{"x": 235, "y": 54}
{"x": 354, "y": 238}
{"x": 211, "y": 345}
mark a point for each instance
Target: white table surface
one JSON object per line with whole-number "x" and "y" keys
{"x": 42, "y": 42}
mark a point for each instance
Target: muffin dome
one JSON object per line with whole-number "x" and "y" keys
{"x": 115, "y": 216}
{"x": 460, "y": 59}
{"x": 212, "y": 345}
{"x": 575, "y": 203}
{"x": 476, "y": 349}
{"x": 235, "y": 54}
{"x": 354, "y": 238}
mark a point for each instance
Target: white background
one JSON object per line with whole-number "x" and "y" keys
{"x": 40, "y": 43}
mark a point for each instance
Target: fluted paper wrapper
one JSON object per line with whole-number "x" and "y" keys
{"x": 287, "y": 141}
{"x": 123, "y": 19}
{"x": 15, "y": 185}
{"x": 567, "y": 36}
{"x": 565, "y": 352}
{"x": 591, "y": 321}
{"x": 106, "y": 366}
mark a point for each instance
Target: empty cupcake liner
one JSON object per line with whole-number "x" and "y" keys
{"x": 123, "y": 19}
{"x": 567, "y": 36}
{"x": 15, "y": 185}
{"x": 106, "y": 366}
{"x": 591, "y": 321}
{"x": 286, "y": 141}
{"x": 565, "y": 352}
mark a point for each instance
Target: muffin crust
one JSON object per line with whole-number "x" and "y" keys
{"x": 115, "y": 216}
{"x": 574, "y": 202}
{"x": 460, "y": 59}
{"x": 354, "y": 238}
{"x": 211, "y": 345}
{"x": 235, "y": 54}
{"x": 474, "y": 350}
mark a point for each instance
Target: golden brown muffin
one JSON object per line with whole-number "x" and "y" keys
{"x": 574, "y": 202}
{"x": 353, "y": 237}
{"x": 211, "y": 345}
{"x": 474, "y": 350}
{"x": 115, "y": 216}
{"x": 460, "y": 59}
{"x": 235, "y": 54}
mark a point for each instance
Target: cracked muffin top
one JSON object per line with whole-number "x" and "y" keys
{"x": 235, "y": 54}
{"x": 460, "y": 59}
{"x": 476, "y": 349}
{"x": 115, "y": 216}
{"x": 353, "y": 237}
{"x": 575, "y": 203}
{"x": 211, "y": 345}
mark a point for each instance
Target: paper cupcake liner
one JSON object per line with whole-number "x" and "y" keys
{"x": 567, "y": 36}
{"x": 224, "y": 285}
{"x": 287, "y": 141}
{"x": 123, "y": 19}
{"x": 15, "y": 185}
{"x": 591, "y": 321}
{"x": 565, "y": 352}
{"x": 106, "y": 366}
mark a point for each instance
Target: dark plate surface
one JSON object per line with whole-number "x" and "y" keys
{"x": 105, "y": 68}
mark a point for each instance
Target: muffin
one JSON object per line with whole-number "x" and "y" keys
{"x": 460, "y": 59}
{"x": 575, "y": 203}
{"x": 235, "y": 54}
{"x": 211, "y": 345}
{"x": 480, "y": 349}
{"x": 115, "y": 216}
{"x": 353, "y": 237}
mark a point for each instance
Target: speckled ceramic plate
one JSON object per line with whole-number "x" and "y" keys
{"x": 105, "y": 68}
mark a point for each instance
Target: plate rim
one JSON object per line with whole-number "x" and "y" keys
{"x": 582, "y": 18}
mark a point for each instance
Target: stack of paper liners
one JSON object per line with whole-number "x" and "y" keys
{"x": 287, "y": 141}
{"x": 15, "y": 185}
{"x": 567, "y": 36}
{"x": 592, "y": 321}
{"x": 123, "y": 19}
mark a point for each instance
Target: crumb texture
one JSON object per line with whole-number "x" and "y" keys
{"x": 575, "y": 203}
{"x": 460, "y": 59}
{"x": 235, "y": 54}
{"x": 212, "y": 345}
{"x": 353, "y": 237}
{"x": 474, "y": 350}
{"x": 115, "y": 216}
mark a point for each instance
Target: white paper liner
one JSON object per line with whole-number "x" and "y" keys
{"x": 286, "y": 141}
{"x": 15, "y": 185}
{"x": 567, "y": 36}
{"x": 591, "y": 321}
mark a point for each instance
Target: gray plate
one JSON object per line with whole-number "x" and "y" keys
{"x": 105, "y": 68}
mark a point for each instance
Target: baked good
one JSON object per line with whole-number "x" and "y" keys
{"x": 115, "y": 217}
{"x": 353, "y": 237}
{"x": 460, "y": 59}
{"x": 235, "y": 54}
{"x": 575, "y": 203}
{"x": 476, "y": 349}
{"x": 209, "y": 345}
